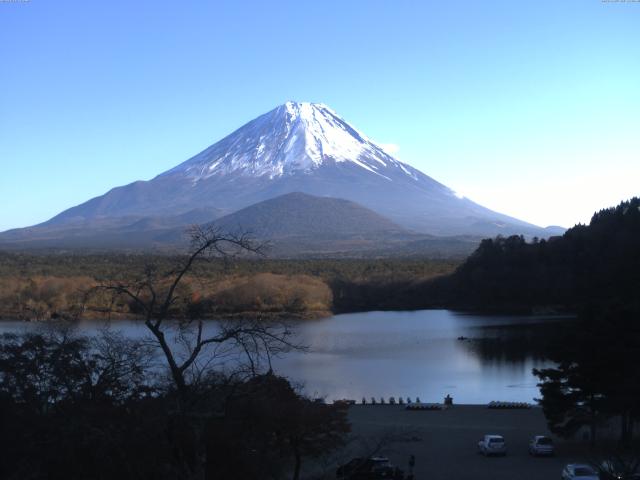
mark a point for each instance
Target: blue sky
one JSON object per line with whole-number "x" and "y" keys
{"x": 530, "y": 108}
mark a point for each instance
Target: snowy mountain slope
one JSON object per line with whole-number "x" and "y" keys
{"x": 297, "y": 147}
{"x": 295, "y": 137}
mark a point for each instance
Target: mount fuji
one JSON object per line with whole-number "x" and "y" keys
{"x": 296, "y": 147}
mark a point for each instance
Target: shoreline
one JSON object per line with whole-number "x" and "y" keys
{"x": 116, "y": 316}
{"x": 286, "y": 315}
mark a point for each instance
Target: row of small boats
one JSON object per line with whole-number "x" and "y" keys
{"x": 508, "y": 405}
{"x": 418, "y": 405}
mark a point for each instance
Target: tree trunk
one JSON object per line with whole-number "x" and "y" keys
{"x": 298, "y": 464}
{"x": 625, "y": 431}
{"x": 176, "y": 373}
{"x": 593, "y": 428}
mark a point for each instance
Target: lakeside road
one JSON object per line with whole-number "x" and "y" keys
{"x": 445, "y": 442}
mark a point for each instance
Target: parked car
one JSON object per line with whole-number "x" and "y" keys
{"x": 541, "y": 445}
{"x": 372, "y": 468}
{"x": 492, "y": 445}
{"x": 579, "y": 471}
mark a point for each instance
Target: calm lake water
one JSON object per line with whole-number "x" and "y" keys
{"x": 383, "y": 354}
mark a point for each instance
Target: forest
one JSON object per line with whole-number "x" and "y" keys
{"x": 589, "y": 263}
{"x": 43, "y": 286}
{"x": 73, "y": 407}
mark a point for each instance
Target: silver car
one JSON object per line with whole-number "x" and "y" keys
{"x": 579, "y": 471}
{"x": 492, "y": 445}
{"x": 541, "y": 445}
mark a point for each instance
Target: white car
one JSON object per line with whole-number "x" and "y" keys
{"x": 492, "y": 445}
{"x": 579, "y": 471}
{"x": 541, "y": 445}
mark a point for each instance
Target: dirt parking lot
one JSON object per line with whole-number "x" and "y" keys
{"x": 444, "y": 442}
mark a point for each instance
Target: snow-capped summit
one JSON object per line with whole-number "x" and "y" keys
{"x": 294, "y": 137}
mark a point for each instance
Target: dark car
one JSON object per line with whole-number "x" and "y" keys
{"x": 372, "y": 468}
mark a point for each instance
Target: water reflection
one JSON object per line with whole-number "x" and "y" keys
{"x": 418, "y": 353}
{"x": 407, "y": 354}
{"x": 516, "y": 343}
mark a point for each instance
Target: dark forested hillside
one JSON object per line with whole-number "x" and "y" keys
{"x": 299, "y": 214}
{"x": 594, "y": 263}
{"x": 590, "y": 264}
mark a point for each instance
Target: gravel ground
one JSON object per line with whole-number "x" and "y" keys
{"x": 445, "y": 442}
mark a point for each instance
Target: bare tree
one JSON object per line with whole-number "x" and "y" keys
{"x": 620, "y": 463}
{"x": 156, "y": 295}
{"x": 191, "y": 347}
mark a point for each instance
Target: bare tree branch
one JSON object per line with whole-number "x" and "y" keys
{"x": 156, "y": 294}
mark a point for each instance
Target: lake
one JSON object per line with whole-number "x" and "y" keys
{"x": 408, "y": 353}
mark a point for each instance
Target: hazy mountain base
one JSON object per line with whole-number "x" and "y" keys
{"x": 294, "y": 225}
{"x": 172, "y": 241}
